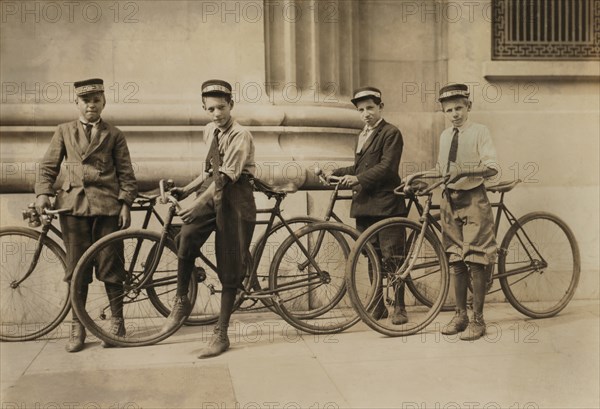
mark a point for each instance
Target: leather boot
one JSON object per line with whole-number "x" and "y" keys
{"x": 459, "y": 323}
{"x": 399, "y": 316}
{"x": 77, "y": 333}
{"x": 217, "y": 345}
{"x": 181, "y": 310}
{"x": 114, "y": 293}
{"x": 475, "y": 330}
{"x": 117, "y": 328}
{"x": 76, "y": 336}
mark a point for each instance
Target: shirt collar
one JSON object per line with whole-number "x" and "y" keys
{"x": 374, "y": 126}
{"x": 227, "y": 125}
{"x": 465, "y": 126}
{"x": 85, "y": 121}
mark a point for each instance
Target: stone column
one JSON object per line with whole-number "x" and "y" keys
{"x": 312, "y": 47}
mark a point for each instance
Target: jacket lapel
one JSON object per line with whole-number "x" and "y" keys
{"x": 96, "y": 139}
{"x": 370, "y": 140}
{"x": 76, "y": 139}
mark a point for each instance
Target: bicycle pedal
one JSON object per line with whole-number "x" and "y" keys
{"x": 200, "y": 274}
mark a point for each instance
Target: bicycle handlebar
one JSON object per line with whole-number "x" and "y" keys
{"x": 404, "y": 187}
{"x": 35, "y": 219}
{"x": 333, "y": 180}
{"x": 165, "y": 196}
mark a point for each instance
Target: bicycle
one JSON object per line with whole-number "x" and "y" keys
{"x": 306, "y": 278}
{"x": 34, "y": 297}
{"x": 538, "y": 264}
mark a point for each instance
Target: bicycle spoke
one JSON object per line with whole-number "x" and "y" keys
{"x": 539, "y": 267}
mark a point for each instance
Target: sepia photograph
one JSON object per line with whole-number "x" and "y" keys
{"x": 290, "y": 204}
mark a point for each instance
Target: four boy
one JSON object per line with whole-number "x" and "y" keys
{"x": 99, "y": 187}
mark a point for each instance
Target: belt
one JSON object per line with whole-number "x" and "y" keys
{"x": 449, "y": 190}
{"x": 244, "y": 177}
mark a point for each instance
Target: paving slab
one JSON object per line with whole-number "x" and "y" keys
{"x": 521, "y": 363}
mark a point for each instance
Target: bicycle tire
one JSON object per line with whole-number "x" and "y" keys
{"x": 314, "y": 309}
{"x": 159, "y": 302}
{"x": 544, "y": 292}
{"x": 144, "y": 323}
{"x": 40, "y": 303}
{"x": 430, "y": 264}
{"x": 422, "y": 296}
{"x": 253, "y": 281}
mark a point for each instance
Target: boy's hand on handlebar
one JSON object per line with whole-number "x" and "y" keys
{"x": 178, "y": 193}
{"x": 349, "y": 181}
{"x": 42, "y": 202}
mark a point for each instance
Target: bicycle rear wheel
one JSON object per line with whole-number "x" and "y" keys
{"x": 207, "y": 307}
{"x": 539, "y": 265}
{"x": 36, "y": 305}
{"x": 149, "y": 287}
{"x": 263, "y": 254}
{"x": 307, "y": 278}
{"x": 370, "y": 286}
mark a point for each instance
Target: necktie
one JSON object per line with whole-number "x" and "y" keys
{"x": 453, "y": 149}
{"x": 362, "y": 138}
{"x": 213, "y": 160}
{"x": 88, "y": 131}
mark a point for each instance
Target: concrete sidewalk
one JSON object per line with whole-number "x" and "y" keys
{"x": 521, "y": 363}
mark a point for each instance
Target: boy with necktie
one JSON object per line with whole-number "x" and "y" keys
{"x": 225, "y": 204}
{"x": 98, "y": 188}
{"x": 467, "y": 155}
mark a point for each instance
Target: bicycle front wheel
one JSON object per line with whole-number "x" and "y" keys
{"x": 539, "y": 265}
{"x": 376, "y": 289}
{"x": 150, "y": 282}
{"x": 34, "y": 298}
{"x": 307, "y": 278}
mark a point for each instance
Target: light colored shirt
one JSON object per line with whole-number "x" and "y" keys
{"x": 236, "y": 147}
{"x": 365, "y": 134}
{"x": 475, "y": 147}
{"x": 95, "y": 126}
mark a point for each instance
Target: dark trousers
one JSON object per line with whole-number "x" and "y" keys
{"x": 232, "y": 216}
{"x": 389, "y": 243}
{"x": 79, "y": 233}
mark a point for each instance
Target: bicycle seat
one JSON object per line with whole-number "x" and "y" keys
{"x": 147, "y": 196}
{"x": 504, "y": 186}
{"x": 271, "y": 191}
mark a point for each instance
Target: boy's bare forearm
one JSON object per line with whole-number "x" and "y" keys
{"x": 479, "y": 171}
{"x": 193, "y": 185}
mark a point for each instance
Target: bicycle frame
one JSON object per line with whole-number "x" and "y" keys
{"x": 428, "y": 220}
{"x": 148, "y": 206}
{"x": 512, "y": 220}
{"x": 275, "y": 213}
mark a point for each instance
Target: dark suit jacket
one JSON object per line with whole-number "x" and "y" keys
{"x": 97, "y": 177}
{"x": 376, "y": 167}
